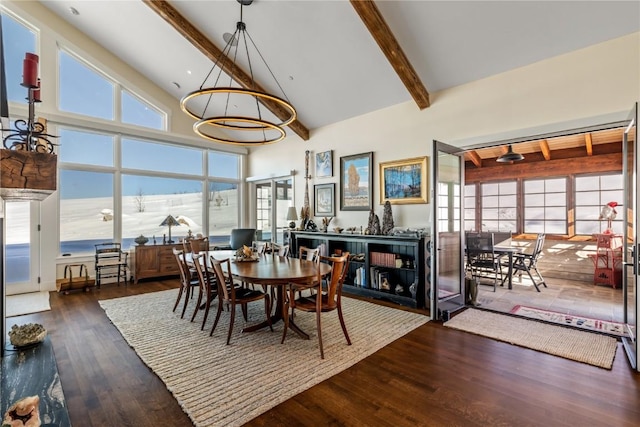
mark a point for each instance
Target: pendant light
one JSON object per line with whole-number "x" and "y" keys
{"x": 234, "y": 114}
{"x": 510, "y": 156}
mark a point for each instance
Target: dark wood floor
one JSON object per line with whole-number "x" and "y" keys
{"x": 432, "y": 376}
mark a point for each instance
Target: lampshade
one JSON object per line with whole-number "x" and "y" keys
{"x": 292, "y": 215}
{"x": 510, "y": 156}
{"x": 170, "y": 221}
{"x": 236, "y": 110}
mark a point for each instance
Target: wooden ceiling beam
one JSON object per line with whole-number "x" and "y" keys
{"x": 211, "y": 51}
{"x": 381, "y": 33}
{"x": 588, "y": 143}
{"x": 474, "y": 157}
{"x": 544, "y": 147}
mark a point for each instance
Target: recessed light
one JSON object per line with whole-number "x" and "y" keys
{"x": 74, "y": 11}
{"x": 189, "y": 72}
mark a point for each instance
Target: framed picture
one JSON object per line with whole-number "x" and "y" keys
{"x": 324, "y": 164}
{"x": 404, "y": 181}
{"x": 356, "y": 182}
{"x": 324, "y": 196}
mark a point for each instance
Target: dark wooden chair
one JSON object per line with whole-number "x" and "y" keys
{"x": 482, "y": 261}
{"x": 324, "y": 300}
{"x": 207, "y": 285}
{"x": 231, "y": 295}
{"x": 187, "y": 282}
{"x": 527, "y": 263}
{"x": 111, "y": 262}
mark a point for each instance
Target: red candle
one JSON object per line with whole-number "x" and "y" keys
{"x": 31, "y": 56}
{"x": 29, "y": 73}
{"x": 36, "y": 92}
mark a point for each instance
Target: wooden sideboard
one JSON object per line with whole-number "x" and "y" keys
{"x": 154, "y": 261}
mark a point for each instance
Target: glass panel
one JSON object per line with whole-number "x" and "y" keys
{"x": 263, "y": 207}
{"x": 79, "y": 83}
{"x": 138, "y": 112}
{"x": 489, "y": 189}
{"x": 534, "y": 186}
{"x": 224, "y": 165}
{"x": 555, "y": 213}
{"x": 85, "y": 147}
{"x": 587, "y": 198}
{"x": 507, "y": 187}
{"x": 587, "y": 212}
{"x": 556, "y": 185}
{"x": 608, "y": 182}
{"x": 507, "y": 201}
{"x": 556, "y": 199}
{"x": 584, "y": 183}
{"x": 490, "y": 202}
{"x": 534, "y": 199}
{"x": 147, "y": 201}
{"x": 152, "y": 156}
{"x": 284, "y": 195}
{"x": 589, "y": 204}
{"x": 17, "y": 39}
{"x": 18, "y": 247}
{"x": 86, "y": 210}
{"x": 223, "y": 211}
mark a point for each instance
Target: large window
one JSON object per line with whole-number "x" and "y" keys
{"x": 470, "y": 207}
{"x": 592, "y": 193}
{"x": 545, "y": 206}
{"x": 224, "y": 203}
{"x": 499, "y": 206}
{"x": 84, "y": 90}
{"x": 17, "y": 39}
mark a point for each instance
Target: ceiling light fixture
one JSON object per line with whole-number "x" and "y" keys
{"x": 510, "y": 156}
{"x": 209, "y": 105}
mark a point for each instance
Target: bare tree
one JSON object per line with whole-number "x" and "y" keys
{"x": 139, "y": 201}
{"x": 354, "y": 180}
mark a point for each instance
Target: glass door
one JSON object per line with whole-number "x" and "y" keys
{"x": 21, "y": 248}
{"x": 273, "y": 199}
{"x": 447, "y": 274}
{"x": 631, "y": 238}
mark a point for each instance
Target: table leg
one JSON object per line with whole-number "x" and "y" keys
{"x": 281, "y": 313}
{"x": 510, "y": 255}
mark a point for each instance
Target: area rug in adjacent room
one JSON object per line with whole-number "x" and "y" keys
{"x": 587, "y": 347}
{"x": 218, "y": 384}
{"x": 32, "y": 302}
{"x": 570, "y": 319}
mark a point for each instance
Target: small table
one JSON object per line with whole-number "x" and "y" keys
{"x": 509, "y": 251}
{"x": 274, "y": 271}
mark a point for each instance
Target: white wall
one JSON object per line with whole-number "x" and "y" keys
{"x": 586, "y": 87}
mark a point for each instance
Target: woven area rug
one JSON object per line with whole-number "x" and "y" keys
{"x": 33, "y": 302}
{"x": 587, "y": 347}
{"x": 570, "y": 319}
{"x": 228, "y": 385}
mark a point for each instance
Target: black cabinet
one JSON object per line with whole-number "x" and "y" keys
{"x": 390, "y": 268}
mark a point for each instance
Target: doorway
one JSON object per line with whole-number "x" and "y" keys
{"x": 272, "y": 199}
{"x": 559, "y": 189}
{"x": 21, "y": 247}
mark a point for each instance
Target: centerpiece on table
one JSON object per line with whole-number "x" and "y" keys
{"x": 245, "y": 254}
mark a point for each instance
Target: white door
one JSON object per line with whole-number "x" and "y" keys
{"x": 22, "y": 266}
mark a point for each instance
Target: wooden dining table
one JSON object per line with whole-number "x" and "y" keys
{"x": 276, "y": 271}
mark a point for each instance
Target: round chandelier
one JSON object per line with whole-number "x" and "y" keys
{"x": 215, "y": 107}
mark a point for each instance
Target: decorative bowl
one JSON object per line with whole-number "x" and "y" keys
{"x": 141, "y": 240}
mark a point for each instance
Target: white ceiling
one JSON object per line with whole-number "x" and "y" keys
{"x": 325, "y": 59}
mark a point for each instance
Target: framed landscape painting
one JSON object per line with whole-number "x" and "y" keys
{"x": 324, "y": 164}
{"x": 404, "y": 181}
{"x": 324, "y": 200}
{"x": 356, "y": 182}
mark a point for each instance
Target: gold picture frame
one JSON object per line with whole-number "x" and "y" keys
{"x": 404, "y": 181}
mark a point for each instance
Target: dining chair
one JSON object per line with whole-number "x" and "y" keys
{"x": 231, "y": 295}
{"x": 198, "y": 244}
{"x": 322, "y": 301}
{"x": 208, "y": 286}
{"x": 260, "y": 247}
{"x": 187, "y": 282}
{"x": 280, "y": 250}
{"x": 527, "y": 262}
{"x": 482, "y": 260}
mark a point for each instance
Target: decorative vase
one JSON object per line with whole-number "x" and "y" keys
{"x": 141, "y": 240}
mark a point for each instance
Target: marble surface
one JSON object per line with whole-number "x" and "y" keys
{"x": 33, "y": 371}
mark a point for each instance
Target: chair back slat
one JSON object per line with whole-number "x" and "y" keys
{"x": 339, "y": 268}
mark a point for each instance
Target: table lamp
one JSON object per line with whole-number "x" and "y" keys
{"x": 170, "y": 221}
{"x": 292, "y": 216}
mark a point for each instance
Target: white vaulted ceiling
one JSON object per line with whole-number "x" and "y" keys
{"x": 327, "y": 61}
